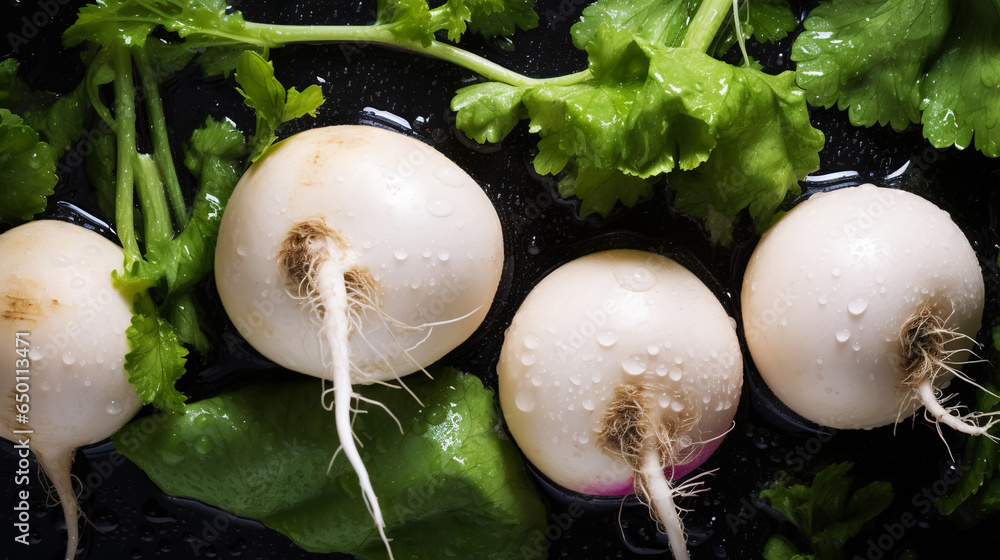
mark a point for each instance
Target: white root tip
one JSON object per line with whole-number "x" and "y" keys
{"x": 57, "y": 467}
{"x": 653, "y": 484}
{"x": 318, "y": 254}
{"x": 967, "y": 424}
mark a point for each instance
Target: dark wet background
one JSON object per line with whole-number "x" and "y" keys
{"x": 131, "y": 518}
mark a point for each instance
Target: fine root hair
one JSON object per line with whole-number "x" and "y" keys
{"x": 924, "y": 359}
{"x": 308, "y": 246}
{"x": 629, "y": 429}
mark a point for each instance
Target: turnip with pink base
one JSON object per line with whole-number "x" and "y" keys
{"x": 620, "y": 372}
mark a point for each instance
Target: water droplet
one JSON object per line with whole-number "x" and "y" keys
{"x": 634, "y": 364}
{"x": 440, "y": 207}
{"x": 525, "y": 401}
{"x": 528, "y": 359}
{"x": 340, "y": 178}
{"x": 679, "y": 360}
{"x": 536, "y": 381}
{"x": 68, "y": 358}
{"x": 635, "y": 278}
{"x": 415, "y": 282}
{"x": 843, "y": 335}
{"x": 822, "y": 300}
{"x": 663, "y": 401}
{"x": 607, "y": 339}
{"x": 676, "y": 374}
{"x": 242, "y": 250}
{"x": 435, "y": 415}
{"x": 531, "y": 341}
{"x": 706, "y": 399}
{"x": 653, "y": 349}
{"x": 448, "y": 176}
{"x": 87, "y": 382}
{"x": 677, "y": 406}
{"x": 106, "y": 520}
{"x": 426, "y": 253}
{"x": 203, "y": 444}
{"x": 113, "y": 408}
{"x": 857, "y": 307}
{"x": 78, "y": 283}
{"x": 879, "y": 279}
{"x": 444, "y": 255}
{"x": 60, "y": 260}
{"x": 819, "y": 360}
{"x": 856, "y": 346}
{"x": 588, "y": 404}
{"x": 835, "y": 273}
{"x": 202, "y": 421}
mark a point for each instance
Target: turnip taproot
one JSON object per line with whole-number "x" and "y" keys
{"x": 357, "y": 255}
{"x": 860, "y": 305}
{"x": 619, "y": 368}
{"x": 63, "y": 322}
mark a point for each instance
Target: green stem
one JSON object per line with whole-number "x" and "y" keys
{"x": 706, "y": 23}
{"x": 279, "y": 35}
{"x": 121, "y": 61}
{"x": 158, "y": 133}
{"x": 157, "y": 227}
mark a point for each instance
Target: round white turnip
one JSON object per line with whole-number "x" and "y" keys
{"x": 357, "y": 255}
{"x": 621, "y": 370}
{"x": 860, "y": 305}
{"x": 63, "y": 324}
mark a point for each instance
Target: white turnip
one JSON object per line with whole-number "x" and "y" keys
{"x": 63, "y": 325}
{"x": 860, "y": 305}
{"x": 620, "y": 371}
{"x": 357, "y": 255}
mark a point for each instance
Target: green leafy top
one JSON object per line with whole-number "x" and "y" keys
{"x": 897, "y": 62}
{"x": 202, "y": 22}
{"x": 653, "y": 102}
{"x": 415, "y": 21}
{"x": 826, "y": 513}
{"x": 27, "y": 169}
{"x": 212, "y": 23}
{"x": 36, "y": 129}
{"x": 272, "y": 104}
{"x": 448, "y": 483}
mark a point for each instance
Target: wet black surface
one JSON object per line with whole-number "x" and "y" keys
{"x": 131, "y": 518}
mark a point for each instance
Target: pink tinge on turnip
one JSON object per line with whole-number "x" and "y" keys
{"x": 621, "y": 372}
{"x": 63, "y": 381}
{"x": 860, "y": 306}
{"x": 357, "y": 255}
